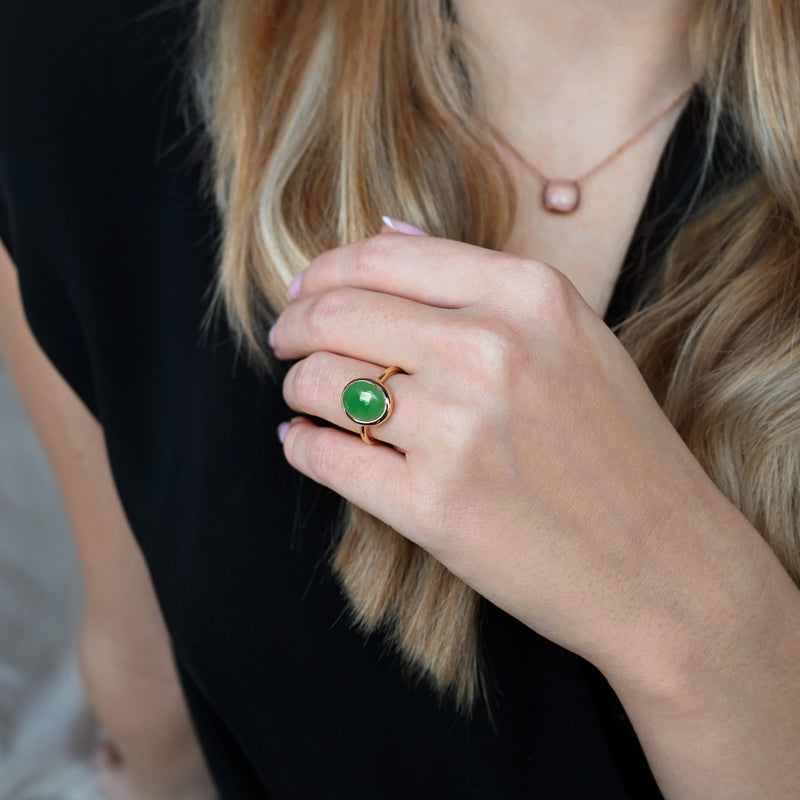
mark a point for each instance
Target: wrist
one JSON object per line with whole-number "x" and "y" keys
{"x": 713, "y": 701}
{"x": 729, "y": 608}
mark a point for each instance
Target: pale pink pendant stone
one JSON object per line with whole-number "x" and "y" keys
{"x": 561, "y": 196}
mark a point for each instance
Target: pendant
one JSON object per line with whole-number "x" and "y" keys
{"x": 561, "y": 196}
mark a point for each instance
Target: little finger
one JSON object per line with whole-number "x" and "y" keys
{"x": 374, "y": 478}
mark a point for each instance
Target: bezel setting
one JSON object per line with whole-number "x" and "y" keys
{"x": 379, "y": 389}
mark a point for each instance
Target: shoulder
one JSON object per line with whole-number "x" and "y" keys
{"x": 79, "y": 83}
{"x": 50, "y": 44}
{"x": 94, "y": 151}
{"x": 63, "y": 57}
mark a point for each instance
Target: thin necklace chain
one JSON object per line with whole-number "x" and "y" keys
{"x": 611, "y": 156}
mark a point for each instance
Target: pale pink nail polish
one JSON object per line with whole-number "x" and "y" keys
{"x": 271, "y": 337}
{"x": 403, "y": 227}
{"x": 294, "y": 287}
{"x": 283, "y": 429}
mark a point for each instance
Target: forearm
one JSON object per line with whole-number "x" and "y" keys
{"x": 718, "y": 715}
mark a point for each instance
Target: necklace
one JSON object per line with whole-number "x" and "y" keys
{"x": 563, "y": 195}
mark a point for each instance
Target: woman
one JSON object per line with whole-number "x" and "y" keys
{"x": 526, "y": 460}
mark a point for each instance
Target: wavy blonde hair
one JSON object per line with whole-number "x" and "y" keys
{"x": 323, "y": 115}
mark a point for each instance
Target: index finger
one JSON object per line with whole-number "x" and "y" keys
{"x": 437, "y": 272}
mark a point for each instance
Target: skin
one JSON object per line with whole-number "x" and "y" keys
{"x": 530, "y": 458}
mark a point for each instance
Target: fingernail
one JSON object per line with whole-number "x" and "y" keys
{"x": 283, "y": 429}
{"x": 271, "y": 337}
{"x": 403, "y": 227}
{"x": 294, "y": 287}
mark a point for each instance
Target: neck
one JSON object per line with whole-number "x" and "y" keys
{"x": 572, "y": 61}
{"x": 567, "y": 82}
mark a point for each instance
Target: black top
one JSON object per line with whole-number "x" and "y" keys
{"x": 102, "y": 210}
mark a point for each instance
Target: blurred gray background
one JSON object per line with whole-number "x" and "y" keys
{"x": 46, "y": 731}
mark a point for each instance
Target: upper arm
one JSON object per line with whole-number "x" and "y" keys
{"x": 117, "y": 584}
{"x": 70, "y": 435}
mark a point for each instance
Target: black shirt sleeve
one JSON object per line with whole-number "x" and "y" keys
{"x": 47, "y": 113}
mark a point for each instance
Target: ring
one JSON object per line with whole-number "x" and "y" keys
{"x": 368, "y": 402}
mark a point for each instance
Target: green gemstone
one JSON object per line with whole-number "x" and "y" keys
{"x": 365, "y": 402}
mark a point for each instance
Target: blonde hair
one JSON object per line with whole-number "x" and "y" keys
{"x": 323, "y": 115}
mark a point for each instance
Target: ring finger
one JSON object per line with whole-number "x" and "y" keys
{"x": 314, "y": 386}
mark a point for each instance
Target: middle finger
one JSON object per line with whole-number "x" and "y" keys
{"x": 369, "y": 326}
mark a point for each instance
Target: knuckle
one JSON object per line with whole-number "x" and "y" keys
{"x": 309, "y": 379}
{"x": 514, "y": 279}
{"x": 324, "y": 311}
{"x": 462, "y": 428}
{"x": 489, "y": 348}
{"x": 553, "y": 293}
{"x": 320, "y": 456}
{"x": 512, "y": 270}
{"x": 372, "y": 256}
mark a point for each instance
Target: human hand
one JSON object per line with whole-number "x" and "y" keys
{"x": 527, "y": 455}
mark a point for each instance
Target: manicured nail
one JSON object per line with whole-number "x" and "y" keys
{"x": 283, "y": 429}
{"x": 271, "y": 337}
{"x": 403, "y": 227}
{"x": 294, "y": 287}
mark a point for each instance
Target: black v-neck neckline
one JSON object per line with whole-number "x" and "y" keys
{"x": 675, "y": 188}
